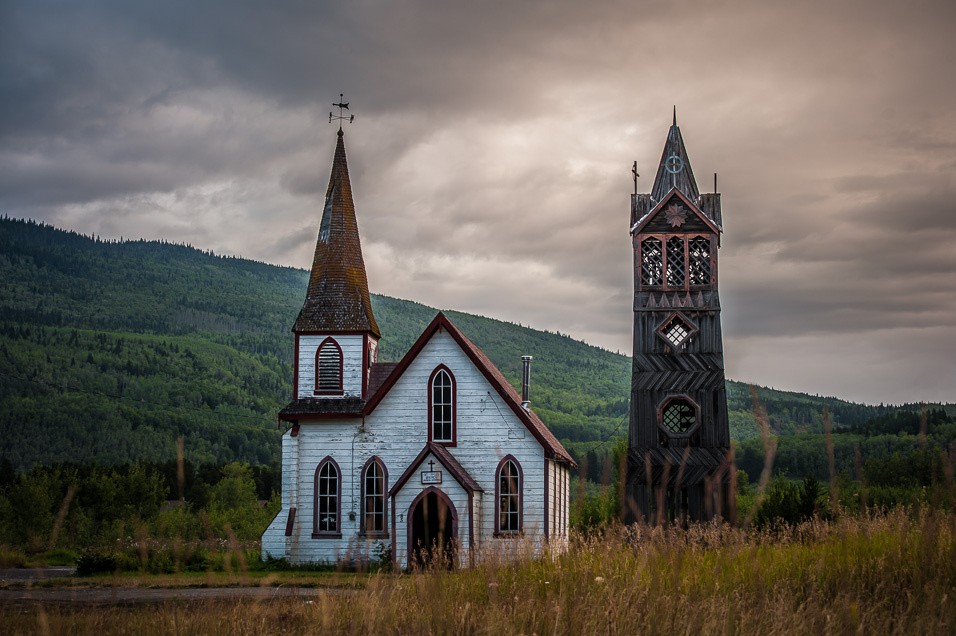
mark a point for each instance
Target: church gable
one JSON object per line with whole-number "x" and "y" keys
{"x": 675, "y": 214}
{"x": 476, "y": 386}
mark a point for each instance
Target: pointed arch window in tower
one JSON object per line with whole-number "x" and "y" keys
{"x": 675, "y": 262}
{"x": 652, "y": 262}
{"x": 700, "y": 260}
{"x": 328, "y": 368}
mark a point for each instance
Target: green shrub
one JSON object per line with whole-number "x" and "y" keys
{"x": 92, "y": 562}
{"x": 789, "y": 502}
{"x": 13, "y": 559}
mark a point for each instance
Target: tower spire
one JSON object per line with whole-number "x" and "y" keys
{"x": 674, "y": 170}
{"x": 338, "y": 299}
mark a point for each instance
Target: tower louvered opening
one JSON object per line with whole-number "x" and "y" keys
{"x": 652, "y": 262}
{"x": 700, "y": 261}
{"x": 675, "y": 262}
{"x": 329, "y": 368}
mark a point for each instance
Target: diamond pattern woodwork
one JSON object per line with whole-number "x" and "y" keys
{"x": 675, "y": 261}
{"x": 652, "y": 262}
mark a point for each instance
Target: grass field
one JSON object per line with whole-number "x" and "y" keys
{"x": 892, "y": 573}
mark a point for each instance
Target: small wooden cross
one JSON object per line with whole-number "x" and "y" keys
{"x": 431, "y": 466}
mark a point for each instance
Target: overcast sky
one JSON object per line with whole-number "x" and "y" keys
{"x": 491, "y": 153}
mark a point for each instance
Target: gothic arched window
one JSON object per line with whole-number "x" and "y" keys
{"x": 374, "y": 481}
{"x": 328, "y": 368}
{"x": 326, "y": 518}
{"x": 508, "y": 513}
{"x": 441, "y": 402}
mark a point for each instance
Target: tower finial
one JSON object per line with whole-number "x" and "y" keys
{"x": 342, "y": 106}
{"x": 675, "y": 114}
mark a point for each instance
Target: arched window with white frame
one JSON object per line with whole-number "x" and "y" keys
{"x": 441, "y": 407}
{"x": 509, "y": 512}
{"x": 374, "y": 498}
{"x": 326, "y": 509}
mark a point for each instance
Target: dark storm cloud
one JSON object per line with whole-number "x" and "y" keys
{"x": 490, "y": 159}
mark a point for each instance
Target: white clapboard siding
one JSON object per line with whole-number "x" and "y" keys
{"x": 352, "y": 366}
{"x": 396, "y": 432}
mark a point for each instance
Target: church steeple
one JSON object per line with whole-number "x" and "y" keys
{"x": 338, "y": 299}
{"x": 674, "y": 169}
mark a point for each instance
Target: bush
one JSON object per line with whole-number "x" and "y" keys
{"x": 788, "y": 502}
{"x": 13, "y": 559}
{"x": 91, "y": 563}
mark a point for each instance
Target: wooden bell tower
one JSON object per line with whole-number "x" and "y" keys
{"x": 679, "y": 436}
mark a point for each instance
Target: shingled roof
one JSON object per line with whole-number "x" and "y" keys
{"x": 683, "y": 180}
{"x": 337, "y": 299}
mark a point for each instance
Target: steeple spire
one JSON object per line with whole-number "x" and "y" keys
{"x": 338, "y": 299}
{"x": 675, "y": 170}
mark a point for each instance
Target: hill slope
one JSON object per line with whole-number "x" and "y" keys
{"x": 111, "y": 350}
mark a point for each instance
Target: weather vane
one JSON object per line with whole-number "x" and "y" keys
{"x": 342, "y": 105}
{"x": 636, "y": 175}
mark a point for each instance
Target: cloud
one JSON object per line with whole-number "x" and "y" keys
{"x": 491, "y": 155}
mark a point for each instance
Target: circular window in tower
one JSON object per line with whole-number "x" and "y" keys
{"x": 679, "y": 415}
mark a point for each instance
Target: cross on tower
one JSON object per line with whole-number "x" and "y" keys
{"x": 342, "y": 105}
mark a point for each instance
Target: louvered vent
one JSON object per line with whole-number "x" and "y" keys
{"x": 330, "y": 368}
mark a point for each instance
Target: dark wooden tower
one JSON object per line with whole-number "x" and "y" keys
{"x": 679, "y": 437}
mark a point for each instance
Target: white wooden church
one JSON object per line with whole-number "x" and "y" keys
{"x": 436, "y": 453}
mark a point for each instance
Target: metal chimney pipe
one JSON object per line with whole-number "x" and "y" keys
{"x": 525, "y": 381}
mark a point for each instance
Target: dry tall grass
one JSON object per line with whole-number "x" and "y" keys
{"x": 888, "y": 573}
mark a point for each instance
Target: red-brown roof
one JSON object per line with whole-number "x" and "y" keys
{"x": 337, "y": 299}
{"x": 322, "y": 407}
{"x": 552, "y": 447}
{"x": 378, "y": 374}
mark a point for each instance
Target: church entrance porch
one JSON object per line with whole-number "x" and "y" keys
{"x": 432, "y": 530}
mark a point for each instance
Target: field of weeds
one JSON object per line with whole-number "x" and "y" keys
{"x": 887, "y": 573}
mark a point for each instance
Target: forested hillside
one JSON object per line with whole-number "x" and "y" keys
{"x": 109, "y": 351}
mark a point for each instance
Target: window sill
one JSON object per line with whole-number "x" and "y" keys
{"x": 328, "y": 393}
{"x": 326, "y": 535}
{"x": 374, "y": 535}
